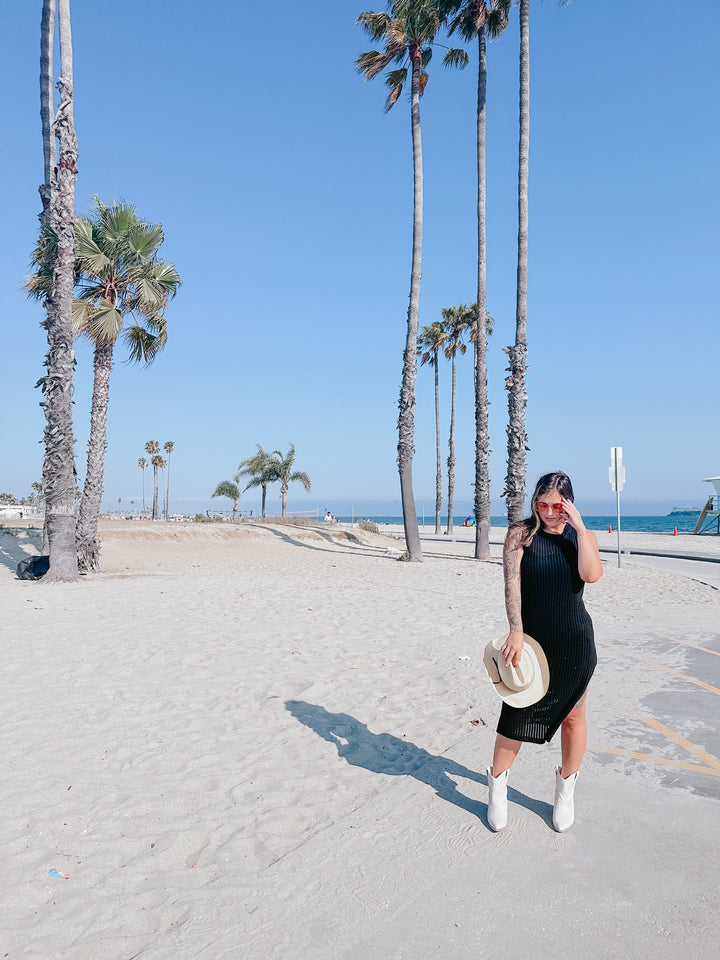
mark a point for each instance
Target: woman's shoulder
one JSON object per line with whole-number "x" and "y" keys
{"x": 516, "y": 534}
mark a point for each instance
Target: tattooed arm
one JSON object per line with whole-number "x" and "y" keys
{"x": 512, "y": 555}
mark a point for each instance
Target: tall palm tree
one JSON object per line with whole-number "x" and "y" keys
{"x": 152, "y": 449}
{"x": 283, "y": 469}
{"x": 458, "y": 321}
{"x": 58, "y": 217}
{"x": 120, "y": 278}
{"x": 142, "y": 463}
{"x": 407, "y": 35}
{"x": 231, "y": 489}
{"x": 476, "y": 19}
{"x": 517, "y": 354}
{"x": 158, "y": 463}
{"x": 431, "y": 340}
{"x": 260, "y": 469}
{"x": 168, "y": 447}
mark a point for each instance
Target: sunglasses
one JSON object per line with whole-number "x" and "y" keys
{"x": 555, "y": 507}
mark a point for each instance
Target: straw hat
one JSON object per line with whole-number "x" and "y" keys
{"x": 525, "y": 684}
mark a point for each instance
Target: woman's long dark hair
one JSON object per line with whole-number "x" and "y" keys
{"x": 548, "y": 481}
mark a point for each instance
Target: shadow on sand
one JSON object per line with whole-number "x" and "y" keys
{"x": 393, "y": 756}
{"x": 13, "y": 541}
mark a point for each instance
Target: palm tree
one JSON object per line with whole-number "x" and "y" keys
{"x": 168, "y": 447}
{"x": 260, "y": 469}
{"x": 476, "y": 19}
{"x": 158, "y": 463}
{"x": 142, "y": 463}
{"x": 152, "y": 449}
{"x": 231, "y": 489}
{"x": 282, "y": 466}
{"x": 431, "y": 340}
{"x": 517, "y": 354}
{"x": 457, "y": 321}
{"x": 407, "y": 35}
{"x": 58, "y": 217}
{"x": 118, "y": 275}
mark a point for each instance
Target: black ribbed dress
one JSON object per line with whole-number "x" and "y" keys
{"x": 554, "y": 614}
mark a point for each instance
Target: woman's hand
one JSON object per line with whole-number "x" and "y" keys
{"x": 511, "y": 650}
{"x": 589, "y": 566}
{"x": 572, "y": 515}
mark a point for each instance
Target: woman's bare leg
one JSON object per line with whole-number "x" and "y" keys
{"x": 505, "y": 752}
{"x": 573, "y": 737}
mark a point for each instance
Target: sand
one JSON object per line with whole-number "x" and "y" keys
{"x": 269, "y": 743}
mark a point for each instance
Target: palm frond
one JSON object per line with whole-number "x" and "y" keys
{"x": 105, "y": 322}
{"x": 143, "y": 345}
{"x": 165, "y": 274}
{"x": 396, "y": 39}
{"x": 300, "y": 477}
{"x": 396, "y": 77}
{"x": 426, "y": 56}
{"x": 423, "y": 81}
{"x": 81, "y": 314}
{"x": 392, "y": 97}
{"x": 143, "y": 240}
{"x": 374, "y": 24}
{"x": 92, "y": 259}
{"x": 498, "y": 17}
{"x": 468, "y": 21}
{"x": 372, "y": 63}
{"x": 456, "y": 57}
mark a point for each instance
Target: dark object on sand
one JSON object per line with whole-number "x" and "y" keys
{"x": 33, "y": 568}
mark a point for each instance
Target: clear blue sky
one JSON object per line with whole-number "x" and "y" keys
{"x": 286, "y": 198}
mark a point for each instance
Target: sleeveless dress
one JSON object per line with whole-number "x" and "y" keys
{"x": 554, "y": 614}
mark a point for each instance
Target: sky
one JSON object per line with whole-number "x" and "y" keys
{"x": 285, "y": 194}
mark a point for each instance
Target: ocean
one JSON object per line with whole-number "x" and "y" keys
{"x": 684, "y": 522}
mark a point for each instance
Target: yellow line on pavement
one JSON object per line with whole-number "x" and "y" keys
{"x": 675, "y": 673}
{"x": 683, "y": 742}
{"x": 715, "y": 653}
{"x": 660, "y": 761}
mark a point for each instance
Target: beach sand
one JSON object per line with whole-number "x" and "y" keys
{"x": 269, "y": 742}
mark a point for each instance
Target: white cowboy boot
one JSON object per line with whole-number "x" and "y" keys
{"x": 564, "y": 809}
{"x": 497, "y": 800}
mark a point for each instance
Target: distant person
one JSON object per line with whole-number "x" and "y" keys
{"x": 328, "y": 517}
{"x": 547, "y": 560}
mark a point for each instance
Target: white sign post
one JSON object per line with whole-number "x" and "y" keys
{"x": 617, "y": 479}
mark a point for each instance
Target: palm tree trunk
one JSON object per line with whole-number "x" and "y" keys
{"x": 47, "y": 33}
{"x": 88, "y": 548}
{"x": 482, "y": 473}
{"x": 438, "y": 472}
{"x": 264, "y": 497}
{"x": 143, "y": 488}
{"x": 517, "y": 393}
{"x": 235, "y": 505}
{"x": 167, "y": 493}
{"x": 283, "y": 495}
{"x": 155, "y": 493}
{"x": 59, "y": 463}
{"x": 451, "y": 456}
{"x": 406, "y": 418}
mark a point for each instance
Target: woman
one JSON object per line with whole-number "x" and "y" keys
{"x": 546, "y": 561}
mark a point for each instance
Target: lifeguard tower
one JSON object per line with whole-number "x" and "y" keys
{"x": 710, "y": 514}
